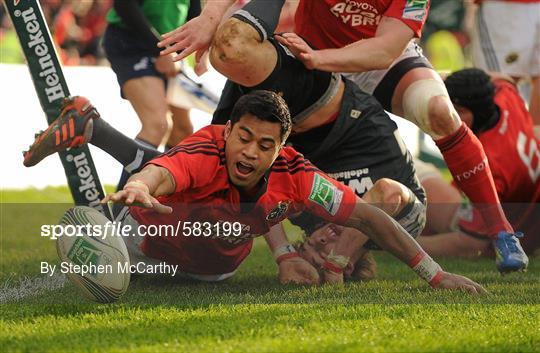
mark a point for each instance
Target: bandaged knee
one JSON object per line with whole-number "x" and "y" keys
{"x": 263, "y": 15}
{"x": 416, "y": 102}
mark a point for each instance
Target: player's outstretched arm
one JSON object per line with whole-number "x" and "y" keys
{"x": 195, "y": 35}
{"x": 389, "y": 235}
{"x": 142, "y": 189}
{"x": 375, "y": 53}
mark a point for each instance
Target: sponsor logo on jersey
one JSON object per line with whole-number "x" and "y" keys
{"x": 472, "y": 172}
{"x": 325, "y": 194}
{"x": 358, "y": 180}
{"x": 356, "y": 13}
{"x": 279, "y": 211}
{"x": 415, "y": 10}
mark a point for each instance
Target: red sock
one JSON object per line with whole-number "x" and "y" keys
{"x": 467, "y": 161}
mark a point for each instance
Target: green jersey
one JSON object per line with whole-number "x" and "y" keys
{"x": 163, "y": 15}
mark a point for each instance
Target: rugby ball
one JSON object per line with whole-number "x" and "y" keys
{"x": 93, "y": 255}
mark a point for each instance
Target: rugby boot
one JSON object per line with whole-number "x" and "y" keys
{"x": 509, "y": 253}
{"x": 71, "y": 129}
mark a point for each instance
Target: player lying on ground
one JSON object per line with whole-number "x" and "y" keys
{"x": 376, "y": 45}
{"x": 343, "y": 252}
{"x": 240, "y": 172}
{"x": 494, "y": 110}
{"x": 341, "y": 129}
{"x": 497, "y": 114}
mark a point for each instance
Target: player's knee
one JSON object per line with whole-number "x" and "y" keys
{"x": 391, "y": 195}
{"x": 154, "y": 130}
{"x": 178, "y": 133}
{"x": 230, "y": 44}
{"x": 426, "y": 103}
{"x": 443, "y": 120}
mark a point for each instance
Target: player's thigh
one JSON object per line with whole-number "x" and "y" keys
{"x": 182, "y": 126}
{"x": 382, "y": 83}
{"x": 147, "y": 95}
{"x": 181, "y": 118}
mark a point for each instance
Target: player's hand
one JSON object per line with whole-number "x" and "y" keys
{"x": 194, "y": 36}
{"x": 137, "y": 195}
{"x": 297, "y": 270}
{"x": 332, "y": 277}
{"x": 453, "y": 281}
{"x": 166, "y": 66}
{"x": 300, "y": 49}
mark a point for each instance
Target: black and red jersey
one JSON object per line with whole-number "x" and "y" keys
{"x": 204, "y": 194}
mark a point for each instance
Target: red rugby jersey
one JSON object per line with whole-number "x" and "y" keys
{"x": 204, "y": 194}
{"x": 336, "y": 23}
{"x": 513, "y": 153}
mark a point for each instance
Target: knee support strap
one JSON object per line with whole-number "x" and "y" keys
{"x": 416, "y": 102}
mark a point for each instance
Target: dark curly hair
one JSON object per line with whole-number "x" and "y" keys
{"x": 265, "y": 106}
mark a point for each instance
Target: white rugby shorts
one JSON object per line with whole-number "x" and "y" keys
{"x": 506, "y": 38}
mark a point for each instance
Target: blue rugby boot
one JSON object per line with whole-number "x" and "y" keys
{"x": 509, "y": 253}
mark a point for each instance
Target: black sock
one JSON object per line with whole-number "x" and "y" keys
{"x": 263, "y": 15}
{"x": 129, "y": 152}
{"x": 136, "y": 164}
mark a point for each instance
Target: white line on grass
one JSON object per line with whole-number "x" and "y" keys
{"x": 27, "y": 287}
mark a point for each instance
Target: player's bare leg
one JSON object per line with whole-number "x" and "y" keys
{"x": 181, "y": 127}
{"x": 421, "y": 97}
{"x": 147, "y": 96}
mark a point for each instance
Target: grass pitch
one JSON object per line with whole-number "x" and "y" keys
{"x": 251, "y": 312}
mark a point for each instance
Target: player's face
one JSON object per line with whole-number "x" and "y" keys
{"x": 252, "y": 146}
{"x": 465, "y": 114}
{"x": 320, "y": 243}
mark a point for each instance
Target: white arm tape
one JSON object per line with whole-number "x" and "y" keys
{"x": 427, "y": 268}
{"x": 284, "y": 249}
